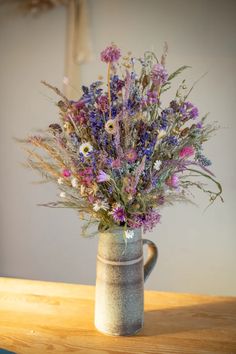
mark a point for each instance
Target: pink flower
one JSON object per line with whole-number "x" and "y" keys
{"x": 111, "y": 54}
{"x": 91, "y": 199}
{"x": 66, "y": 173}
{"x": 86, "y": 171}
{"x": 187, "y": 151}
{"x": 86, "y": 176}
{"x": 131, "y": 155}
{"x": 116, "y": 163}
{"x": 130, "y": 190}
{"x": 80, "y": 118}
{"x": 173, "y": 181}
{"x": 87, "y": 181}
{"x": 79, "y": 104}
{"x": 103, "y": 177}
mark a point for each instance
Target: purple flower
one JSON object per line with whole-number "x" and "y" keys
{"x": 174, "y": 105}
{"x": 188, "y": 110}
{"x": 103, "y": 103}
{"x": 116, "y": 83}
{"x": 147, "y": 221}
{"x": 199, "y": 125}
{"x": 193, "y": 113}
{"x": 111, "y": 54}
{"x": 171, "y": 140}
{"x": 164, "y": 120}
{"x": 118, "y": 214}
{"x": 152, "y": 97}
{"x": 159, "y": 74}
{"x": 103, "y": 177}
{"x": 151, "y": 219}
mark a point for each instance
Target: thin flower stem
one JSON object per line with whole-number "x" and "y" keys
{"x": 109, "y": 87}
{"x": 213, "y": 180}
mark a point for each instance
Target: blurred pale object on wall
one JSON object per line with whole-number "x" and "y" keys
{"x": 78, "y": 41}
{"x": 37, "y": 6}
{"x": 79, "y": 46}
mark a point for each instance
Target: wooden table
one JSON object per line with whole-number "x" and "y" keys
{"x": 41, "y": 317}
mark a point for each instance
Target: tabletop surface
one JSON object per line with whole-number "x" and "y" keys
{"x": 43, "y": 317}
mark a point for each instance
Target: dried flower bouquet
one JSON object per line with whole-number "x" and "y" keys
{"x": 117, "y": 155}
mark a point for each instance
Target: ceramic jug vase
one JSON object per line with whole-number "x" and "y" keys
{"x": 121, "y": 273}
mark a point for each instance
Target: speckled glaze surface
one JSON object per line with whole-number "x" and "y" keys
{"x": 120, "y": 282}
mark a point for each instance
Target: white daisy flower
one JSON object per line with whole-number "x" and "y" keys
{"x": 63, "y": 195}
{"x": 100, "y": 205}
{"x": 85, "y": 148}
{"x": 129, "y": 234}
{"x": 60, "y": 180}
{"x": 74, "y": 182}
{"x": 157, "y": 165}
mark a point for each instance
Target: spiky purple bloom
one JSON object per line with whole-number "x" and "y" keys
{"x": 188, "y": 110}
{"x": 163, "y": 120}
{"x": 199, "y": 125}
{"x": 151, "y": 219}
{"x": 111, "y": 54}
{"x": 118, "y": 214}
{"x": 147, "y": 221}
{"x": 159, "y": 74}
{"x": 194, "y": 113}
{"x": 103, "y": 104}
{"x": 116, "y": 83}
{"x": 96, "y": 123}
{"x": 152, "y": 97}
{"x": 171, "y": 140}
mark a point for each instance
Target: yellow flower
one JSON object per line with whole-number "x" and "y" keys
{"x": 68, "y": 127}
{"x": 111, "y": 126}
{"x": 86, "y": 191}
{"x": 161, "y": 134}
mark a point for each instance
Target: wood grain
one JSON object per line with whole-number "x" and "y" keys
{"x": 41, "y": 317}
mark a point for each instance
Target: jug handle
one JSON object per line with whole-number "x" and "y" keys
{"x": 151, "y": 257}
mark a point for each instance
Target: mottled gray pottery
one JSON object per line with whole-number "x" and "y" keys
{"x": 120, "y": 281}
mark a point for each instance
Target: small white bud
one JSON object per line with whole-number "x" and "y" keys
{"x": 157, "y": 165}
{"x": 60, "y": 180}
{"x": 74, "y": 182}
